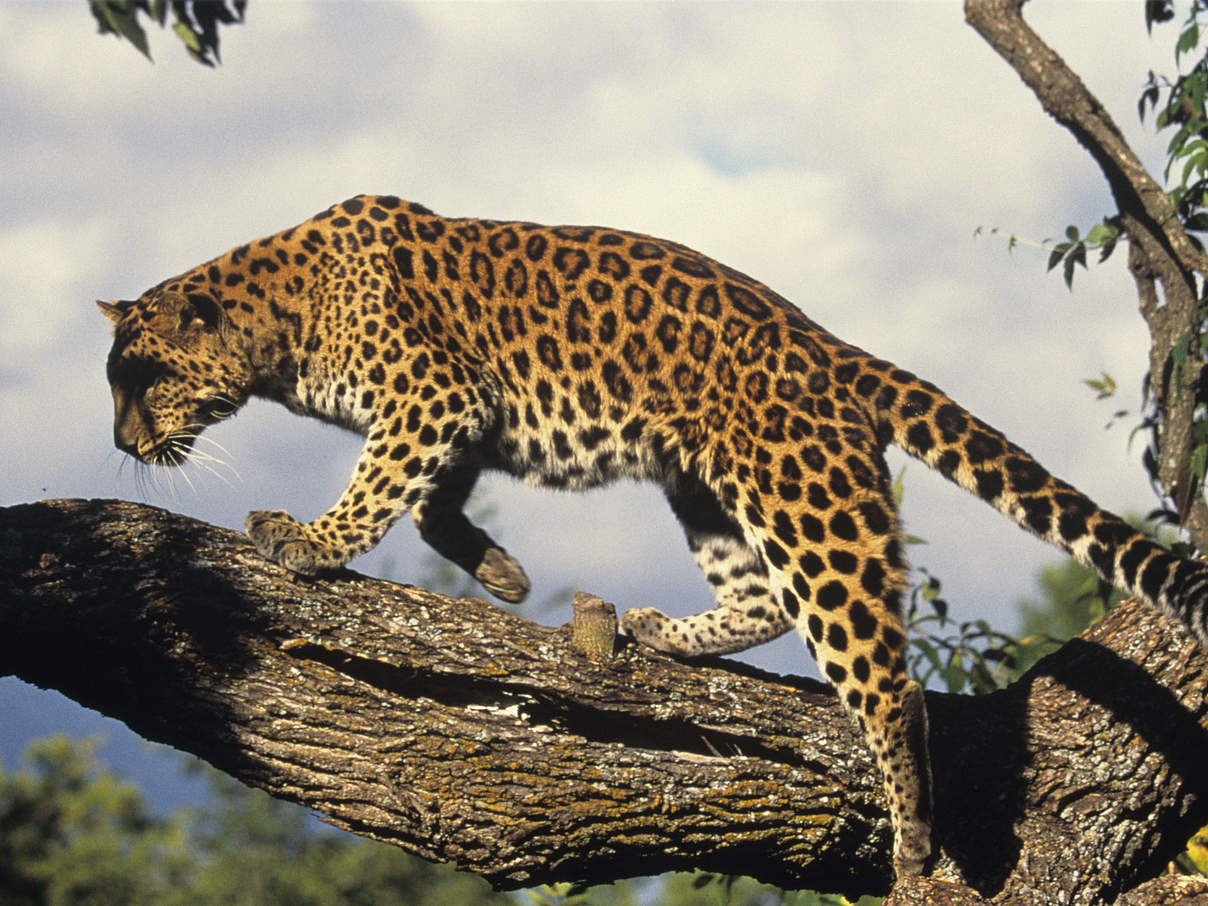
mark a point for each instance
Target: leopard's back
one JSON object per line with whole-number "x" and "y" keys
{"x": 609, "y": 353}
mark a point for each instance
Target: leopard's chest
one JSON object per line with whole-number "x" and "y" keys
{"x": 337, "y": 396}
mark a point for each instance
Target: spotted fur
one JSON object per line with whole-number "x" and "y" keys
{"x": 572, "y": 356}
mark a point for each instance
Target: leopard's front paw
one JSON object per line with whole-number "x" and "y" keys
{"x": 502, "y": 575}
{"x": 654, "y": 628}
{"x": 283, "y": 539}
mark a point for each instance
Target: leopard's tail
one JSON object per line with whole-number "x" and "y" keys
{"x": 931, "y": 427}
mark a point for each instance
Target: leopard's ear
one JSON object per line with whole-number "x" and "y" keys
{"x": 114, "y": 311}
{"x": 192, "y": 312}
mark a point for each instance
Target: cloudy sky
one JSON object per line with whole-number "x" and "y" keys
{"x": 844, "y": 153}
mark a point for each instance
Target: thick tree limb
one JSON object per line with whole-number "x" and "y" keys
{"x": 1160, "y": 251}
{"x": 461, "y": 732}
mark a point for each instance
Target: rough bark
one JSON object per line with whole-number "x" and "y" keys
{"x": 527, "y": 754}
{"x": 1161, "y": 255}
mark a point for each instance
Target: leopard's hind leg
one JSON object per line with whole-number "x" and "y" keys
{"x": 823, "y": 557}
{"x": 746, "y": 615}
{"x": 835, "y": 562}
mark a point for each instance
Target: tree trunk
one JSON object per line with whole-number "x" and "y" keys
{"x": 1160, "y": 252}
{"x": 529, "y": 754}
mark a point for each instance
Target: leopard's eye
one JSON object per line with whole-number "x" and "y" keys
{"x": 156, "y": 392}
{"x": 216, "y": 408}
{"x": 136, "y": 373}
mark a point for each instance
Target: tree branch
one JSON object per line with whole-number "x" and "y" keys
{"x": 463, "y": 733}
{"x": 1159, "y": 248}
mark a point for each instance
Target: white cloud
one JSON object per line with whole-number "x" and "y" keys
{"x": 45, "y": 264}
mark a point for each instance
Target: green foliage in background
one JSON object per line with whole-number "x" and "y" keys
{"x": 686, "y": 889}
{"x": 73, "y": 833}
{"x": 963, "y": 656}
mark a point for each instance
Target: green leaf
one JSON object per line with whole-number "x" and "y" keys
{"x": 1076, "y": 256}
{"x": 899, "y": 486}
{"x": 1194, "y": 160}
{"x": 929, "y": 653}
{"x": 1157, "y": 11}
{"x": 1198, "y": 462}
{"x": 196, "y": 23}
{"x": 119, "y": 17}
{"x": 1178, "y": 141}
{"x": 1149, "y": 96}
{"x": 188, "y": 36}
{"x": 1104, "y": 386}
{"x": 1178, "y": 353}
{"x": 1187, "y": 40}
{"x": 954, "y": 678}
{"x": 995, "y": 655}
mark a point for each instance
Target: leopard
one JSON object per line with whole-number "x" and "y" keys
{"x": 574, "y": 356}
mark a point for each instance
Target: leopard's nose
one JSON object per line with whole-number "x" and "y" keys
{"x": 125, "y": 440}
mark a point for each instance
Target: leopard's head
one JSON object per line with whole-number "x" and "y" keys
{"x": 171, "y": 371}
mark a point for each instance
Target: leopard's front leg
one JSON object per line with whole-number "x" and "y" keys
{"x": 353, "y": 526}
{"x": 385, "y": 486}
{"x": 281, "y": 538}
{"x": 449, "y": 532}
{"x": 392, "y": 473}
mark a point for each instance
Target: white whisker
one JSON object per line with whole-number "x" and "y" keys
{"x": 203, "y": 456}
{"x": 213, "y": 443}
{"x": 203, "y": 465}
{"x": 211, "y": 462}
{"x": 155, "y": 476}
{"x": 181, "y": 452}
{"x": 154, "y": 473}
